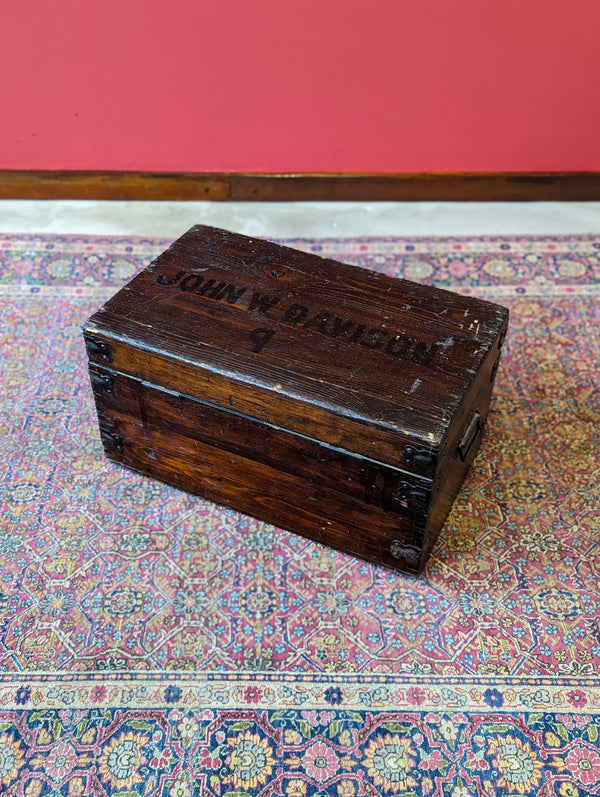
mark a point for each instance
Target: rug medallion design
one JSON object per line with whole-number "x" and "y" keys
{"x": 153, "y": 644}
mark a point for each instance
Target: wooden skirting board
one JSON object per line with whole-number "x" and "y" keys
{"x": 246, "y": 187}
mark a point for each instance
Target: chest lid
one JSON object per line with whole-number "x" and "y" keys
{"x": 351, "y": 357}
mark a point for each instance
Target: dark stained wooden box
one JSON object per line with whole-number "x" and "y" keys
{"x": 329, "y": 400}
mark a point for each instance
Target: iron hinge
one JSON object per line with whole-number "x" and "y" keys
{"x": 421, "y": 458}
{"x": 101, "y": 383}
{"x": 383, "y": 488}
{"x": 410, "y": 554}
{"x": 111, "y": 440}
{"x": 97, "y": 349}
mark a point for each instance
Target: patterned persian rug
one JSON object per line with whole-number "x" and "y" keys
{"x": 152, "y": 643}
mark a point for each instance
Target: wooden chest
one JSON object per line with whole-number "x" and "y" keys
{"x": 326, "y": 399}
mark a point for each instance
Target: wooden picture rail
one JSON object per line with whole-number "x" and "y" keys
{"x": 245, "y": 187}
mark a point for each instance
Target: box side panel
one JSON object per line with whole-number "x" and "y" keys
{"x": 460, "y": 447}
{"x": 348, "y": 502}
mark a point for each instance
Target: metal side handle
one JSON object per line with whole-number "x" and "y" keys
{"x": 470, "y": 435}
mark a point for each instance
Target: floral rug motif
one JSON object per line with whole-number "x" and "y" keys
{"x": 153, "y": 644}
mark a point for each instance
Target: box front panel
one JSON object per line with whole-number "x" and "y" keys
{"x": 351, "y": 503}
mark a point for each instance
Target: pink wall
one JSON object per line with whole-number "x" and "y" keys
{"x": 300, "y": 85}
